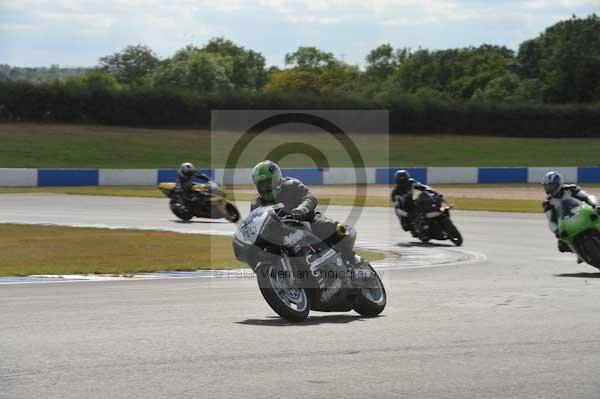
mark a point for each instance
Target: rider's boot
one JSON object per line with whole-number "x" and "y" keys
{"x": 563, "y": 246}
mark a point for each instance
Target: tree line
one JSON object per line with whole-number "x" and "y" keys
{"x": 39, "y": 74}
{"x": 561, "y": 65}
{"x": 549, "y": 87}
{"x": 143, "y": 107}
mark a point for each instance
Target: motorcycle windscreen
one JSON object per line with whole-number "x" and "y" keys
{"x": 428, "y": 201}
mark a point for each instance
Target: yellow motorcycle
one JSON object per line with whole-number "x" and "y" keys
{"x": 206, "y": 200}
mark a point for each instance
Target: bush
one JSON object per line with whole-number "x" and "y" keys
{"x": 58, "y": 102}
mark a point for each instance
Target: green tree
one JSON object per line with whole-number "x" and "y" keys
{"x": 39, "y": 74}
{"x": 93, "y": 80}
{"x": 340, "y": 78}
{"x": 328, "y": 80}
{"x": 293, "y": 80}
{"x": 566, "y": 59}
{"x": 195, "y": 70}
{"x": 456, "y": 72}
{"x": 529, "y": 90}
{"x": 5, "y": 72}
{"x": 383, "y": 60}
{"x": 248, "y": 66}
{"x": 132, "y": 65}
{"x": 499, "y": 89}
{"x": 309, "y": 58}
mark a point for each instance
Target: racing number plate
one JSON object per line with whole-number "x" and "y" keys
{"x": 250, "y": 232}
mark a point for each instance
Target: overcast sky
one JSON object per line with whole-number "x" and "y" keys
{"x": 78, "y": 32}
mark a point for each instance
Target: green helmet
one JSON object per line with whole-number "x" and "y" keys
{"x": 267, "y": 179}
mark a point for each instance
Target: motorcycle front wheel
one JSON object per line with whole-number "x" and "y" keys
{"x": 453, "y": 233}
{"x": 371, "y": 301}
{"x": 291, "y": 303}
{"x": 232, "y": 213}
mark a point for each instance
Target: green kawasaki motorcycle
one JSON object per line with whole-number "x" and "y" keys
{"x": 579, "y": 227}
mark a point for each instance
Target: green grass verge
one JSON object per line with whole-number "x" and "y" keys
{"x": 119, "y": 191}
{"x": 496, "y": 205}
{"x": 73, "y": 146}
{"x": 30, "y": 249}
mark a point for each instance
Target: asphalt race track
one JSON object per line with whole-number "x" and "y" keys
{"x": 511, "y": 318}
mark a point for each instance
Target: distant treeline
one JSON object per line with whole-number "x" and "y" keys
{"x": 551, "y": 86}
{"x": 39, "y": 74}
{"x": 24, "y": 101}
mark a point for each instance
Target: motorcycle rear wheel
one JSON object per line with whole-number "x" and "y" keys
{"x": 291, "y": 303}
{"x": 591, "y": 250}
{"x": 371, "y": 301}
{"x": 180, "y": 210}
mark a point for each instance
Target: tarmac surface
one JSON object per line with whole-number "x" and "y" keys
{"x": 511, "y": 317}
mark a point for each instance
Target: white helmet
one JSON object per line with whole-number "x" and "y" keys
{"x": 552, "y": 182}
{"x": 186, "y": 169}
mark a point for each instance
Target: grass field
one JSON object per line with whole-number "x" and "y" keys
{"x": 120, "y": 191}
{"x": 28, "y": 249}
{"x": 56, "y": 145}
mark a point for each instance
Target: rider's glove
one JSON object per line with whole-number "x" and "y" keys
{"x": 299, "y": 213}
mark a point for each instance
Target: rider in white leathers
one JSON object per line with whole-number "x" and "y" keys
{"x": 557, "y": 193}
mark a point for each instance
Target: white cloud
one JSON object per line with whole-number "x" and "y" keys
{"x": 549, "y": 4}
{"x": 535, "y": 5}
{"x": 221, "y": 5}
{"x": 386, "y": 12}
{"x": 82, "y": 20}
{"x": 283, "y": 6}
{"x": 16, "y": 27}
{"x": 314, "y": 20}
{"x": 314, "y": 5}
{"x": 272, "y": 27}
{"x": 579, "y": 3}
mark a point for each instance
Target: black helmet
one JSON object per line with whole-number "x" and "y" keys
{"x": 402, "y": 177}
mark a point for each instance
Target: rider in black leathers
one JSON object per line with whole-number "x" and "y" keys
{"x": 185, "y": 179}
{"x": 403, "y": 197}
